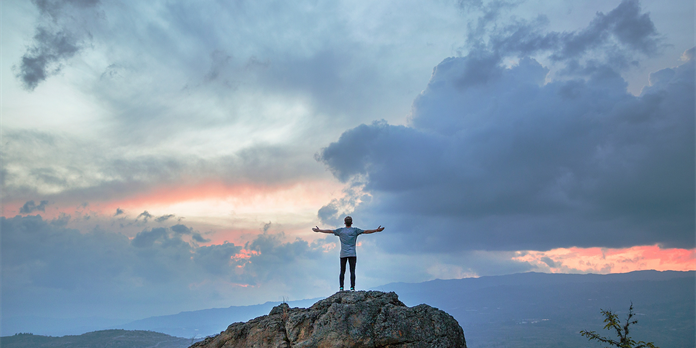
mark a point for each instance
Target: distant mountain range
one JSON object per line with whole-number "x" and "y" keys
{"x": 97, "y": 339}
{"x": 548, "y": 310}
{"x": 518, "y": 310}
{"x": 207, "y": 322}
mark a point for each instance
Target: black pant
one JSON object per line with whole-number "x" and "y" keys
{"x": 353, "y": 260}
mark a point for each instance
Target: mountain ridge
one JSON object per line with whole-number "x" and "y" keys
{"x": 345, "y": 319}
{"x": 547, "y": 306}
{"x": 97, "y": 339}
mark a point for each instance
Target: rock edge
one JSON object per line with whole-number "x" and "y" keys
{"x": 345, "y": 319}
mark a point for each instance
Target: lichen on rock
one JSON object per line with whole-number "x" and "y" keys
{"x": 345, "y": 319}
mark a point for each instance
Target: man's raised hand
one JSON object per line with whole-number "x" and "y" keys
{"x": 378, "y": 229}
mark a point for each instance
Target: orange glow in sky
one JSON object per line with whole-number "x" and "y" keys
{"x": 239, "y": 197}
{"x": 230, "y": 211}
{"x": 605, "y": 260}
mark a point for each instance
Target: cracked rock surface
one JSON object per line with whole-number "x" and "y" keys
{"x": 345, "y": 319}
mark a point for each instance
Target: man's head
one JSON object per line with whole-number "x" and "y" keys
{"x": 348, "y": 221}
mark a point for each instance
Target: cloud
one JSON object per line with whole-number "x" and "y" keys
{"x": 164, "y": 217}
{"x": 181, "y": 229}
{"x": 199, "y": 238}
{"x": 145, "y": 215}
{"x": 42, "y": 60}
{"x": 217, "y": 259}
{"x": 525, "y": 139}
{"x": 55, "y": 8}
{"x": 333, "y": 213}
{"x": 498, "y": 158}
{"x": 146, "y": 239}
{"x": 603, "y": 260}
{"x": 291, "y": 96}
{"x": 62, "y": 220}
{"x": 220, "y": 62}
{"x": 56, "y": 40}
{"x": 615, "y": 39}
{"x": 204, "y": 59}
{"x": 549, "y": 262}
{"x": 273, "y": 260}
{"x": 30, "y": 207}
{"x": 68, "y": 170}
{"x": 48, "y": 268}
{"x": 626, "y": 24}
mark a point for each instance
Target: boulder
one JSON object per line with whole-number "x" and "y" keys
{"x": 345, "y": 319}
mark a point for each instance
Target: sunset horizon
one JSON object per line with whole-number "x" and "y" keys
{"x": 160, "y": 157}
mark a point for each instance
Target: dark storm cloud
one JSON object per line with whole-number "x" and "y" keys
{"x": 56, "y": 40}
{"x": 496, "y": 158}
{"x": 45, "y": 56}
{"x": 488, "y": 13}
{"x": 611, "y": 39}
{"x": 626, "y": 24}
{"x": 30, "y": 207}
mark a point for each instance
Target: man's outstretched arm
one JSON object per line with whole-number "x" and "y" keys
{"x": 316, "y": 229}
{"x": 378, "y": 229}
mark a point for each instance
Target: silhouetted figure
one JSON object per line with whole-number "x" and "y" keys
{"x": 348, "y": 236}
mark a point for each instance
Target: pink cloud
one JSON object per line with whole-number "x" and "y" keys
{"x": 603, "y": 260}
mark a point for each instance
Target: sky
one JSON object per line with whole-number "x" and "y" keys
{"x": 166, "y": 156}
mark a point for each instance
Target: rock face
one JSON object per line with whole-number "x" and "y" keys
{"x": 345, "y": 319}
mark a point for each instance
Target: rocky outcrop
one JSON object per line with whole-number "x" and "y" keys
{"x": 345, "y": 319}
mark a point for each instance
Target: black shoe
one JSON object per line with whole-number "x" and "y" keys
{"x": 352, "y": 288}
{"x": 340, "y": 289}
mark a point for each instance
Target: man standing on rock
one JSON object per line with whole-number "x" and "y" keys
{"x": 349, "y": 236}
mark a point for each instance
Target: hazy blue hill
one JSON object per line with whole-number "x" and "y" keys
{"x": 535, "y": 279}
{"x": 57, "y": 326}
{"x": 206, "y": 322}
{"x": 519, "y": 310}
{"x": 97, "y": 339}
{"x": 548, "y": 310}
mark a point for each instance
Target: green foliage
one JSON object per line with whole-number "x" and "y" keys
{"x": 613, "y": 323}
